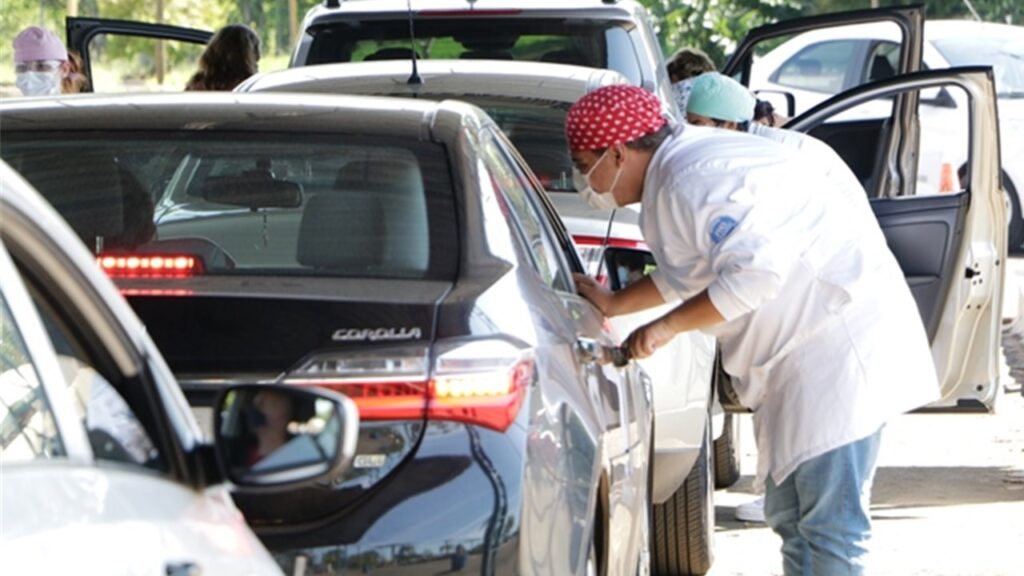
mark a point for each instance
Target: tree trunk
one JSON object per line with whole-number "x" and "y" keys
{"x": 72, "y": 7}
{"x": 293, "y": 22}
{"x": 159, "y": 59}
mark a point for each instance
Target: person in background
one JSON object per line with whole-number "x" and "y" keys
{"x": 719, "y": 101}
{"x": 232, "y": 55}
{"x": 765, "y": 254}
{"x": 42, "y": 65}
{"x": 683, "y": 67}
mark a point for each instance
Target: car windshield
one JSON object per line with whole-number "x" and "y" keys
{"x": 594, "y": 43}
{"x": 1005, "y": 55}
{"x": 250, "y": 203}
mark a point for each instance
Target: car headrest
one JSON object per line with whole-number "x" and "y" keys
{"x": 342, "y": 232}
{"x": 84, "y": 187}
{"x": 391, "y": 53}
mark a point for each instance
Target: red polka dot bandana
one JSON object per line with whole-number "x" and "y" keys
{"x": 612, "y": 115}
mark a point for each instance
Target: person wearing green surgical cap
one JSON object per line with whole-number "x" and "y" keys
{"x": 717, "y": 100}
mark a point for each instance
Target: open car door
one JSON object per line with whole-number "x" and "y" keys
{"x": 824, "y": 55}
{"x": 126, "y": 56}
{"x": 952, "y": 247}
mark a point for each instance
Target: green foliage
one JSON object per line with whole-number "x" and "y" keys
{"x": 716, "y": 26}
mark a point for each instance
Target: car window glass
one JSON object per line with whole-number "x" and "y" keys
{"x": 882, "y": 62}
{"x": 27, "y": 427}
{"x": 820, "y": 68}
{"x": 515, "y": 191}
{"x": 945, "y": 139}
{"x": 114, "y": 430}
{"x": 124, "y": 63}
{"x": 235, "y": 204}
{"x": 815, "y": 65}
{"x": 558, "y": 40}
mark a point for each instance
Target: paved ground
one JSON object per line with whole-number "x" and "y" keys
{"x": 949, "y": 495}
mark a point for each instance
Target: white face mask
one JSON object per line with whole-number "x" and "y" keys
{"x": 598, "y": 200}
{"x": 38, "y": 83}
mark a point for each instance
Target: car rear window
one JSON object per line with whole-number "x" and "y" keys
{"x": 594, "y": 43}
{"x": 537, "y": 129}
{"x": 251, "y": 203}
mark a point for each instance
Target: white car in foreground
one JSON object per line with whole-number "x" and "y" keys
{"x": 103, "y": 469}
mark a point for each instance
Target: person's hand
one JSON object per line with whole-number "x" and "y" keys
{"x": 648, "y": 338}
{"x": 598, "y": 295}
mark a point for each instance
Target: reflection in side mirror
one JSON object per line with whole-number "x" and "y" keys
{"x": 783, "y": 102}
{"x": 626, "y": 265}
{"x": 278, "y": 437}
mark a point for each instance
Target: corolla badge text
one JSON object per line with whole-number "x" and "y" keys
{"x": 375, "y": 334}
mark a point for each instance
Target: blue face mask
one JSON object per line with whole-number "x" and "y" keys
{"x": 255, "y": 419}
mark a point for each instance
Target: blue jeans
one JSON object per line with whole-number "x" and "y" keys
{"x": 822, "y": 513}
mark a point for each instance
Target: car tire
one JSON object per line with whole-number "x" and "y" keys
{"x": 727, "y": 453}
{"x": 683, "y": 533}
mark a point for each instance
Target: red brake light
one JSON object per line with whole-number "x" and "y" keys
{"x": 151, "y": 265}
{"x": 616, "y": 242}
{"x": 479, "y": 382}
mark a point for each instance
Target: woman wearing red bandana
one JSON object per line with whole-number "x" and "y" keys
{"x": 814, "y": 319}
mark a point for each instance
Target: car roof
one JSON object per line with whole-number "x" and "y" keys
{"x": 595, "y": 9}
{"x": 266, "y": 112}
{"x": 511, "y": 79}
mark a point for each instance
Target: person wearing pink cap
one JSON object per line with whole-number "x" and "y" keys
{"x": 40, "y": 62}
{"x": 814, "y": 319}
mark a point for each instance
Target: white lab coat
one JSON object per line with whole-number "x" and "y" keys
{"x": 822, "y": 335}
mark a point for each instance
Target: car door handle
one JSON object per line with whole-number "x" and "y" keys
{"x": 590, "y": 350}
{"x": 184, "y": 568}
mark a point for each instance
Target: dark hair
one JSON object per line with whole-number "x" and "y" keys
{"x": 687, "y": 63}
{"x": 764, "y": 110}
{"x": 232, "y": 55}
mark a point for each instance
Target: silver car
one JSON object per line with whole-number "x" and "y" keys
{"x": 529, "y": 101}
{"x": 397, "y": 251}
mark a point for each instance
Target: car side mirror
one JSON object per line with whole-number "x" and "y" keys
{"x": 272, "y": 437}
{"x": 626, "y": 265}
{"x": 939, "y": 97}
{"x": 783, "y": 102}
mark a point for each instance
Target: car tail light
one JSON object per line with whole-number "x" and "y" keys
{"x": 151, "y": 265}
{"x": 477, "y": 382}
{"x": 591, "y": 249}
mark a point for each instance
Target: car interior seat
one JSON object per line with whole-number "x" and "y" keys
{"x": 881, "y": 68}
{"x": 392, "y": 53}
{"x": 374, "y": 221}
{"x": 85, "y": 187}
{"x": 565, "y": 56}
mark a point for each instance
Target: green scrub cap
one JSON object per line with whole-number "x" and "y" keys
{"x": 720, "y": 98}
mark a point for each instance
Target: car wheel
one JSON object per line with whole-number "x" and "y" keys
{"x": 1015, "y": 236}
{"x": 684, "y": 524}
{"x": 727, "y": 453}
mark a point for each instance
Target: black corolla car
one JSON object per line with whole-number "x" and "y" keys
{"x": 397, "y": 251}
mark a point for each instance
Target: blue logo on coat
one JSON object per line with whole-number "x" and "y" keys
{"x": 722, "y": 227}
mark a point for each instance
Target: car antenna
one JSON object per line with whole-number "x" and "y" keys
{"x": 604, "y": 242}
{"x": 414, "y": 79}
